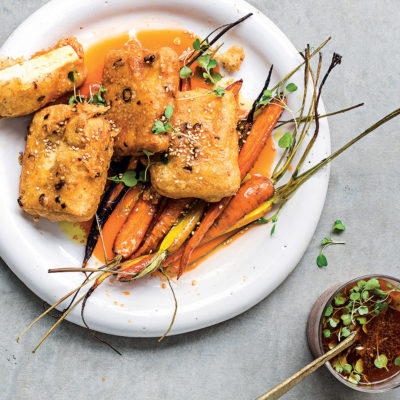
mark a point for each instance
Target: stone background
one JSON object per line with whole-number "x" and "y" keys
{"x": 247, "y": 355}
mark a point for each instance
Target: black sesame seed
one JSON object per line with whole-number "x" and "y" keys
{"x": 19, "y": 201}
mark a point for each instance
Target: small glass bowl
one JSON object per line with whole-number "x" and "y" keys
{"x": 314, "y": 335}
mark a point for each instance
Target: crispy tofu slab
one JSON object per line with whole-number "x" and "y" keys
{"x": 67, "y": 156}
{"x": 140, "y": 85}
{"x": 203, "y": 155}
{"x": 28, "y": 85}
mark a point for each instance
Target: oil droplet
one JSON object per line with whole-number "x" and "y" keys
{"x": 126, "y": 293}
{"x": 163, "y": 285}
{"x": 103, "y": 379}
{"x": 73, "y": 231}
{"x": 116, "y": 303}
{"x": 194, "y": 283}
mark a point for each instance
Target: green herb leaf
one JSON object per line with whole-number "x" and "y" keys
{"x": 261, "y": 220}
{"x": 148, "y": 153}
{"x": 346, "y": 332}
{"x": 185, "y": 72}
{"x": 197, "y": 44}
{"x": 203, "y": 61}
{"x": 72, "y": 100}
{"x": 219, "y": 92}
{"x": 332, "y": 322}
{"x": 397, "y": 361}
{"x": 359, "y": 366}
{"x": 347, "y": 368}
{"x": 169, "y": 111}
{"x": 365, "y": 294}
{"x": 212, "y": 64}
{"x": 128, "y": 178}
{"x": 363, "y": 310}
{"x": 372, "y": 283}
{"x": 361, "y": 284}
{"x": 286, "y": 140}
{"x": 329, "y": 310}
{"x": 322, "y": 260}
{"x": 72, "y": 76}
{"x": 273, "y": 229}
{"x": 340, "y": 299}
{"x": 362, "y": 320}
{"x": 325, "y": 241}
{"x": 158, "y": 128}
{"x": 346, "y": 318}
{"x": 355, "y": 296}
{"x": 267, "y": 94}
{"x": 291, "y": 87}
{"x": 327, "y": 333}
{"x": 381, "y": 361}
{"x": 338, "y": 226}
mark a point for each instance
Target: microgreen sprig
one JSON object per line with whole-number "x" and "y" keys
{"x": 76, "y": 97}
{"x": 321, "y": 259}
{"x": 164, "y": 125}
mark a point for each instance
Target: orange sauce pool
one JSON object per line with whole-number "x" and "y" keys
{"x": 180, "y": 41}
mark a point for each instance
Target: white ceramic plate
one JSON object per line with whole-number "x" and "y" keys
{"x": 227, "y": 283}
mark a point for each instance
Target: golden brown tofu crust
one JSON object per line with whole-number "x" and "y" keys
{"x": 203, "y": 156}
{"x": 65, "y": 164}
{"x": 140, "y": 84}
{"x": 19, "y": 97}
{"x": 232, "y": 58}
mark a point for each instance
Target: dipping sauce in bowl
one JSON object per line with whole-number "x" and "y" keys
{"x": 371, "y": 306}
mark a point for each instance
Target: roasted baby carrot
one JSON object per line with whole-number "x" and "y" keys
{"x": 133, "y": 266}
{"x": 167, "y": 218}
{"x": 107, "y": 205}
{"x": 132, "y": 232}
{"x": 235, "y": 87}
{"x": 111, "y": 198}
{"x": 252, "y": 194}
{"x": 260, "y": 132}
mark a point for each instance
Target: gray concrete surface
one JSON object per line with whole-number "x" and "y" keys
{"x": 245, "y": 356}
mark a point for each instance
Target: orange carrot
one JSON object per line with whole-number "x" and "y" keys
{"x": 235, "y": 87}
{"x": 252, "y": 194}
{"x": 132, "y": 232}
{"x": 213, "y": 212}
{"x": 185, "y": 84}
{"x": 260, "y": 132}
{"x": 135, "y": 267}
{"x": 255, "y": 142}
{"x": 163, "y": 224}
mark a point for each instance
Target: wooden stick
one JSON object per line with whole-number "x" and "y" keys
{"x": 292, "y": 381}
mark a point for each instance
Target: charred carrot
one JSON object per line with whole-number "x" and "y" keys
{"x": 260, "y": 132}
{"x": 251, "y": 195}
{"x": 111, "y": 198}
{"x": 114, "y": 194}
{"x": 164, "y": 223}
{"x": 132, "y": 232}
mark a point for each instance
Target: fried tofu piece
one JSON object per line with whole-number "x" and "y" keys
{"x": 65, "y": 164}
{"x": 28, "y": 85}
{"x": 203, "y": 155}
{"x": 140, "y": 85}
{"x": 232, "y": 58}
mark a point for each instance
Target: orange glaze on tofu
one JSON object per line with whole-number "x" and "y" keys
{"x": 140, "y": 84}
{"x": 67, "y": 156}
{"x": 203, "y": 155}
